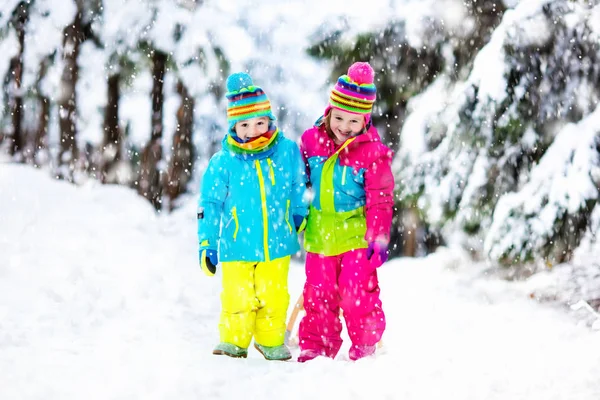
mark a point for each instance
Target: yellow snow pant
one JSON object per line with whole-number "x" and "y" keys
{"x": 254, "y": 301}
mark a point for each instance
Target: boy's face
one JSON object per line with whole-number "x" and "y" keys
{"x": 251, "y": 128}
{"x": 345, "y": 125}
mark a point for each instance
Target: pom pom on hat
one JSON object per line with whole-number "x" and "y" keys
{"x": 237, "y": 81}
{"x": 355, "y": 92}
{"x": 361, "y": 73}
{"x": 245, "y": 100}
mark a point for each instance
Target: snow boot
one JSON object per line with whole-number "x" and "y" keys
{"x": 357, "y": 352}
{"x": 275, "y": 353}
{"x": 231, "y": 350}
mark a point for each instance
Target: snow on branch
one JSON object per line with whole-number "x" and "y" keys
{"x": 562, "y": 185}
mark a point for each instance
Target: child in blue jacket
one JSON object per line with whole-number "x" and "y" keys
{"x": 251, "y": 207}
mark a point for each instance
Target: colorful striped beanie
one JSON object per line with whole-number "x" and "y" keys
{"x": 245, "y": 100}
{"x": 355, "y": 91}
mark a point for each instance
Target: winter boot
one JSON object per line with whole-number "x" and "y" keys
{"x": 307, "y": 355}
{"x": 231, "y": 350}
{"x": 357, "y": 352}
{"x": 275, "y": 353}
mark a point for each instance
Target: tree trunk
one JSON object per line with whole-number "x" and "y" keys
{"x": 41, "y": 135}
{"x": 111, "y": 149}
{"x": 149, "y": 182}
{"x": 67, "y": 103}
{"x": 410, "y": 222}
{"x": 182, "y": 158}
{"x": 20, "y": 16}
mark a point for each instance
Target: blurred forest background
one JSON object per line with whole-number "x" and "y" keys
{"x": 491, "y": 107}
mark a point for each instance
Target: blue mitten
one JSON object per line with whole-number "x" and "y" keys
{"x": 208, "y": 261}
{"x": 380, "y": 251}
{"x": 299, "y": 223}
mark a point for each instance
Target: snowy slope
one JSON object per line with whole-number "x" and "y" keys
{"x": 101, "y": 299}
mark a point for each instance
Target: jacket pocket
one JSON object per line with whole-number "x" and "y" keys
{"x": 234, "y": 218}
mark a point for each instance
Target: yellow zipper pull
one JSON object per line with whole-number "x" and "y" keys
{"x": 271, "y": 172}
{"x": 287, "y": 213}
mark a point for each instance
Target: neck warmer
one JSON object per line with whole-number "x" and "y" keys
{"x": 255, "y": 145}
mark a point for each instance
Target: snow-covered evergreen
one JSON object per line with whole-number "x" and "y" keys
{"x": 511, "y": 156}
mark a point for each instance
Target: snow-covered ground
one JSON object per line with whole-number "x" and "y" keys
{"x": 101, "y": 299}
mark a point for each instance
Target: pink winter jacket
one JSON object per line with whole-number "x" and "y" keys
{"x": 353, "y": 191}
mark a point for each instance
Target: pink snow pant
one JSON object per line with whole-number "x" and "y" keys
{"x": 347, "y": 281}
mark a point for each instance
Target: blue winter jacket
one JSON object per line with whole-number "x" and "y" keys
{"x": 247, "y": 202}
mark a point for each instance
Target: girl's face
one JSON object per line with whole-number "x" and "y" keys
{"x": 345, "y": 125}
{"x": 251, "y": 128}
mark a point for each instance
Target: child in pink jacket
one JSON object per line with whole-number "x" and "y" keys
{"x": 348, "y": 228}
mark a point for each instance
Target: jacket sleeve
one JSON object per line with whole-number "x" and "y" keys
{"x": 299, "y": 181}
{"x": 379, "y": 190}
{"x": 213, "y": 191}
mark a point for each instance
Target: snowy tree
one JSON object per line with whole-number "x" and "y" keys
{"x": 510, "y": 157}
{"x": 19, "y": 21}
{"x": 10, "y": 46}
{"x": 184, "y": 58}
{"x": 121, "y": 26}
{"x": 79, "y": 30}
{"x": 36, "y": 48}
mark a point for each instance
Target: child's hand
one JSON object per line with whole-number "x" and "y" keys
{"x": 208, "y": 261}
{"x": 299, "y": 223}
{"x": 377, "y": 253}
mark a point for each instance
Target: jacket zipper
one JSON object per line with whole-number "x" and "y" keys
{"x": 263, "y": 198}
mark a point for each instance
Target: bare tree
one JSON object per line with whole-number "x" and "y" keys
{"x": 149, "y": 182}
{"x": 182, "y": 158}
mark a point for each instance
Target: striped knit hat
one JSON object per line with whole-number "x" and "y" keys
{"x": 354, "y": 92}
{"x": 245, "y": 100}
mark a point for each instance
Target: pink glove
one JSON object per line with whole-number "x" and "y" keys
{"x": 377, "y": 253}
